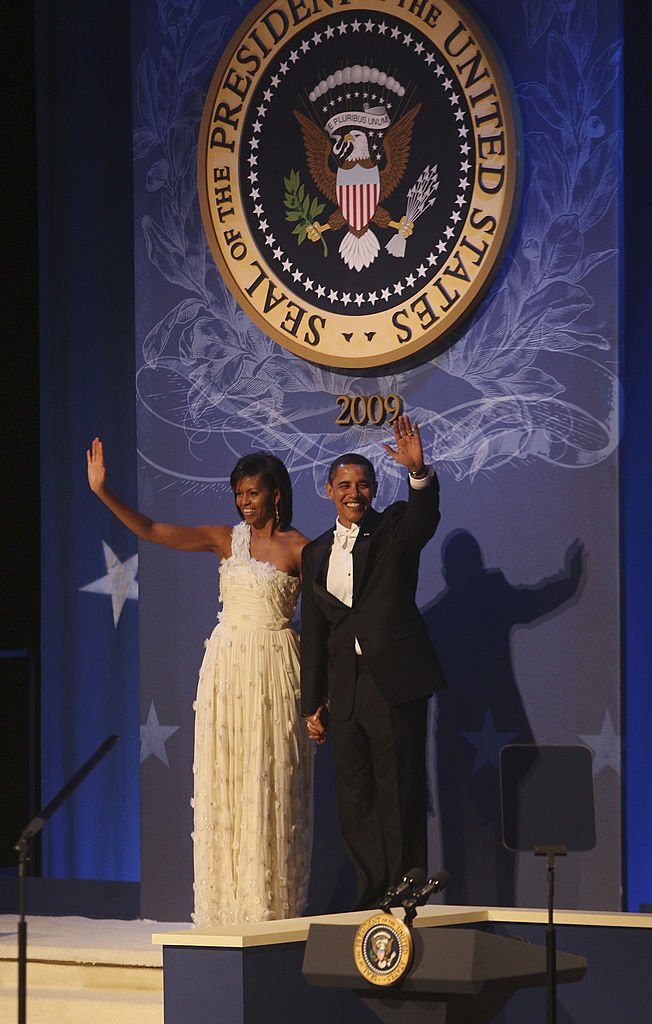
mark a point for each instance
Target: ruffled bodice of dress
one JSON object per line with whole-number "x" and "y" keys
{"x": 252, "y": 592}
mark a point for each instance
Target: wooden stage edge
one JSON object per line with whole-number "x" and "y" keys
{"x": 269, "y": 933}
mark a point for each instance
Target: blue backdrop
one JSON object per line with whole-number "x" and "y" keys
{"x": 89, "y": 634}
{"x": 520, "y": 417}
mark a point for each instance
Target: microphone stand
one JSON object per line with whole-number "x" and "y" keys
{"x": 23, "y": 857}
{"x": 397, "y": 894}
{"x": 413, "y": 892}
{"x": 420, "y": 897}
{"x": 22, "y": 848}
{"x": 549, "y": 852}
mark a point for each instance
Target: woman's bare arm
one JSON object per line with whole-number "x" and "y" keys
{"x": 185, "y": 538}
{"x": 299, "y": 545}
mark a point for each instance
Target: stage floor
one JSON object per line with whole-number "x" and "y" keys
{"x": 81, "y": 969}
{"x": 85, "y": 939}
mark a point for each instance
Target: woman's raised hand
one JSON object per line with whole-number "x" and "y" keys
{"x": 186, "y": 538}
{"x": 96, "y": 467}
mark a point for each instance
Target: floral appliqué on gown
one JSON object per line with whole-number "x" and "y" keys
{"x": 253, "y": 759}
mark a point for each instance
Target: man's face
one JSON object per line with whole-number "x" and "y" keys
{"x": 352, "y": 489}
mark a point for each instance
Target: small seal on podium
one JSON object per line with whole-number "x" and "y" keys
{"x": 383, "y": 949}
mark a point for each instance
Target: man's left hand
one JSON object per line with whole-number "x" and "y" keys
{"x": 317, "y": 725}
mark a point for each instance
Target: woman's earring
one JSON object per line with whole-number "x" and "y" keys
{"x": 277, "y": 516}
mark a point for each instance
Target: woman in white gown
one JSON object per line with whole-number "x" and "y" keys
{"x": 252, "y": 765}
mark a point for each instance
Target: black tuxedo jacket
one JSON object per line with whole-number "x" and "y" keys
{"x": 384, "y": 616}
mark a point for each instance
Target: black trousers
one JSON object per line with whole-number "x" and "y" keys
{"x": 380, "y": 780}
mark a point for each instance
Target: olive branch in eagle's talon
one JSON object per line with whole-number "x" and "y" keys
{"x": 301, "y": 208}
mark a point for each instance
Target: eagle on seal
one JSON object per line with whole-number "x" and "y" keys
{"x": 359, "y": 185}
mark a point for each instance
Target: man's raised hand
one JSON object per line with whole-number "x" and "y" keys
{"x": 409, "y": 450}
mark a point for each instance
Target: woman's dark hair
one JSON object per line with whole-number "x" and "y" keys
{"x": 275, "y": 476}
{"x": 350, "y": 459}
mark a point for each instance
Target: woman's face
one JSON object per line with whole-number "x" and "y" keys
{"x": 255, "y": 500}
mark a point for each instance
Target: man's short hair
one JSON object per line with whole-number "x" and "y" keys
{"x": 350, "y": 459}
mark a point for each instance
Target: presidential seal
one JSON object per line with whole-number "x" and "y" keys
{"x": 359, "y": 174}
{"x": 382, "y": 949}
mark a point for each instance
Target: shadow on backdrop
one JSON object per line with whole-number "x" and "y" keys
{"x": 481, "y": 710}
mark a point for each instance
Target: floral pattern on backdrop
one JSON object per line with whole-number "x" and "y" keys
{"x": 212, "y": 375}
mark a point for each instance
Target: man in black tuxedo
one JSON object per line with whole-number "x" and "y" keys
{"x": 366, "y": 657}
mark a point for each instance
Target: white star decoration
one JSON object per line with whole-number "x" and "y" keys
{"x": 153, "y": 737}
{"x": 605, "y": 746}
{"x": 120, "y": 581}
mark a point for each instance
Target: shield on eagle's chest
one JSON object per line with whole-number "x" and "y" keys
{"x": 358, "y": 192}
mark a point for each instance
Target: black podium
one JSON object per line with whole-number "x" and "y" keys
{"x": 458, "y": 975}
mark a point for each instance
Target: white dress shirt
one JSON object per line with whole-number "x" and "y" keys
{"x": 339, "y": 579}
